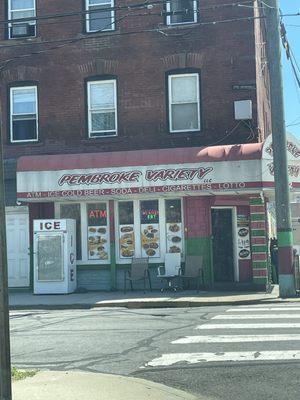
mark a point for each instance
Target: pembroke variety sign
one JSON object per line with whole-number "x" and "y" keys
{"x": 224, "y": 176}
{"x": 236, "y": 175}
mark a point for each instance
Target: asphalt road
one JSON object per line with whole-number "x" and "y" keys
{"x": 221, "y": 352}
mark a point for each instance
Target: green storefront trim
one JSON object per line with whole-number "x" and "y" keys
{"x": 256, "y": 201}
{"x": 202, "y": 246}
{"x": 257, "y": 217}
{"x": 259, "y": 248}
{"x": 259, "y": 264}
{"x": 113, "y": 267}
{"x": 260, "y": 280}
{"x": 285, "y": 239}
{"x": 258, "y": 233}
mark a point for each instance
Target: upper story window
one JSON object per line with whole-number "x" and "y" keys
{"x": 102, "y": 108}
{"x": 182, "y": 12}
{"x": 101, "y": 16}
{"x": 23, "y": 114}
{"x": 184, "y": 102}
{"x": 18, "y": 9}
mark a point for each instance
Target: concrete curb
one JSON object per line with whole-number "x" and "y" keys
{"x": 150, "y": 304}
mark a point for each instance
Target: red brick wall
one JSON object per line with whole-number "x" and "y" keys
{"x": 225, "y": 54}
{"x": 197, "y": 216}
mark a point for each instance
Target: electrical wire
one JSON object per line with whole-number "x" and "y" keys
{"x": 146, "y": 4}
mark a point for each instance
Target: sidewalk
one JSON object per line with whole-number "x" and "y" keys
{"x": 155, "y": 299}
{"x": 91, "y": 386}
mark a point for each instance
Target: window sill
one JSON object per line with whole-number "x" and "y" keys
{"x": 20, "y": 40}
{"x": 189, "y": 25}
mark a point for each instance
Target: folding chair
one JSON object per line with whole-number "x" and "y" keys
{"x": 193, "y": 270}
{"x": 139, "y": 271}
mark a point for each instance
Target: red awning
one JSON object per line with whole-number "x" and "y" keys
{"x": 237, "y": 152}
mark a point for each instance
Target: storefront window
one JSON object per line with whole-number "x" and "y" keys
{"x": 149, "y": 214}
{"x": 98, "y": 232}
{"x": 174, "y": 234}
{"x": 126, "y": 229}
{"x": 72, "y": 211}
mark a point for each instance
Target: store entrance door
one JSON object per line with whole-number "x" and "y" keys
{"x": 223, "y": 257}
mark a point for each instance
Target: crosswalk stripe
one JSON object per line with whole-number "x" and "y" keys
{"x": 236, "y": 339}
{"x": 263, "y": 309}
{"x": 250, "y": 326}
{"x": 257, "y": 316}
{"x": 193, "y": 358}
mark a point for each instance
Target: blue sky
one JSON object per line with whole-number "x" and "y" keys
{"x": 291, "y": 93}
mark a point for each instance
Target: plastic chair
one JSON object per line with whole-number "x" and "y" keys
{"x": 171, "y": 269}
{"x": 139, "y": 271}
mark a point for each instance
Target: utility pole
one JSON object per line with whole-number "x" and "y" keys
{"x": 5, "y": 367}
{"x": 282, "y": 191}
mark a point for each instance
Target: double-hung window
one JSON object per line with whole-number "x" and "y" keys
{"x": 184, "y": 102}
{"x": 18, "y": 9}
{"x": 100, "y": 16}
{"x": 181, "y": 12}
{"x": 23, "y": 114}
{"x": 102, "y": 108}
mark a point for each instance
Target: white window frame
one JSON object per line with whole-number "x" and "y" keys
{"x": 169, "y": 22}
{"x": 137, "y": 228}
{"x": 84, "y": 230}
{"x": 170, "y": 102}
{"x": 106, "y": 133}
{"x": 10, "y": 11}
{"x": 15, "y": 88}
{"x": 110, "y": 3}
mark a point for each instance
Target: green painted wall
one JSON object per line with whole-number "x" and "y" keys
{"x": 202, "y": 246}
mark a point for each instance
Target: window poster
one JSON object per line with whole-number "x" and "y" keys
{"x": 98, "y": 233}
{"x": 174, "y": 234}
{"x": 243, "y": 237}
{"x": 126, "y": 229}
{"x": 149, "y": 214}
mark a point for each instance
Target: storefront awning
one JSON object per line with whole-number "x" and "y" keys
{"x": 167, "y": 171}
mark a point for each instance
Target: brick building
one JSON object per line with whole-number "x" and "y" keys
{"x": 134, "y": 111}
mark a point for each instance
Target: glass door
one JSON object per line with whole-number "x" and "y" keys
{"x": 50, "y": 258}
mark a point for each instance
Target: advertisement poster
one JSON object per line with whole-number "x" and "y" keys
{"x": 243, "y": 237}
{"x": 150, "y": 229}
{"x": 174, "y": 237}
{"x": 126, "y": 235}
{"x": 98, "y": 234}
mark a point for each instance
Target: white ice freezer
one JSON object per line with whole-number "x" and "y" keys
{"x": 54, "y": 249}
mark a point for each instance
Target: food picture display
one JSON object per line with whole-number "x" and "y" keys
{"x": 243, "y": 237}
{"x": 126, "y": 229}
{"x": 174, "y": 238}
{"x": 174, "y": 233}
{"x": 126, "y": 235}
{"x": 149, "y": 214}
{"x": 98, "y": 232}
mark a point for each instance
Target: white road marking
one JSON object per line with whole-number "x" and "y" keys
{"x": 258, "y": 316}
{"x": 264, "y": 309}
{"x": 236, "y": 339}
{"x": 250, "y": 326}
{"x": 193, "y": 358}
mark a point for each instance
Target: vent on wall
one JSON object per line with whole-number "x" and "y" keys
{"x": 243, "y": 110}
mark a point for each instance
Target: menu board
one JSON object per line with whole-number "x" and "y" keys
{"x": 243, "y": 237}
{"x": 174, "y": 237}
{"x": 150, "y": 240}
{"x": 98, "y": 233}
{"x": 127, "y": 244}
